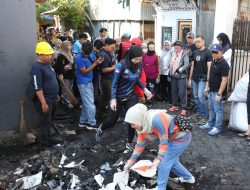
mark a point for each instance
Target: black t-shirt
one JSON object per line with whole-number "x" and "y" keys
{"x": 68, "y": 73}
{"x": 190, "y": 51}
{"x": 218, "y": 70}
{"x": 200, "y": 64}
{"x": 109, "y": 61}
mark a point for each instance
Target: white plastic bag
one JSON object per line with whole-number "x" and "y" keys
{"x": 144, "y": 168}
{"x": 240, "y": 90}
{"x": 238, "y": 117}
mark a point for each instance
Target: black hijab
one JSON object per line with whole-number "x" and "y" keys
{"x": 226, "y": 44}
{"x": 150, "y": 53}
{"x": 133, "y": 52}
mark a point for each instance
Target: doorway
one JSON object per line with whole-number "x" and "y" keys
{"x": 183, "y": 28}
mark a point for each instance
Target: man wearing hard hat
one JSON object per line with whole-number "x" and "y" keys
{"x": 46, "y": 88}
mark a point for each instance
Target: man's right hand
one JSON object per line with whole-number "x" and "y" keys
{"x": 45, "y": 107}
{"x": 99, "y": 60}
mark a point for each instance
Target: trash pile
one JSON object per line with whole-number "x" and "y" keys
{"x": 77, "y": 164}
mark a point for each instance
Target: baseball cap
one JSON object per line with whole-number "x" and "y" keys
{"x": 126, "y": 35}
{"x": 190, "y": 34}
{"x": 178, "y": 42}
{"x": 136, "y": 41}
{"x": 217, "y": 48}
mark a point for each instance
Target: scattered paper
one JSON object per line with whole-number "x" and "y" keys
{"x": 18, "y": 171}
{"x": 73, "y": 164}
{"x": 74, "y": 181}
{"x": 62, "y": 160}
{"x": 99, "y": 179}
{"x": 203, "y": 167}
{"x": 144, "y": 168}
{"x": 121, "y": 178}
{"x": 105, "y": 167}
{"x": 31, "y": 181}
{"x": 133, "y": 183}
{"x": 125, "y": 151}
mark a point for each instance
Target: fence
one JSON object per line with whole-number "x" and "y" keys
{"x": 241, "y": 51}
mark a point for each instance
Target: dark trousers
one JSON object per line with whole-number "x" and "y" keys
{"x": 165, "y": 86}
{"x": 45, "y": 122}
{"x": 96, "y": 85}
{"x": 179, "y": 91}
{"x": 248, "y": 106}
{"x": 105, "y": 97}
{"x": 114, "y": 115}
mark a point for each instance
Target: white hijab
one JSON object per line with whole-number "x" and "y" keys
{"x": 140, "y": 115}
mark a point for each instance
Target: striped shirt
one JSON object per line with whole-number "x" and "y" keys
{"x": 163, "y": 128}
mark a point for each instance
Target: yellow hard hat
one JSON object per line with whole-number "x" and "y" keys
{"x": 44, "y": 48}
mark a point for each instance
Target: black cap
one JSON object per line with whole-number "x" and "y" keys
{"x": 178, "y": 42}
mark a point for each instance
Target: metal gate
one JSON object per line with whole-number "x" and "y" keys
{"x": 241, "y": 51}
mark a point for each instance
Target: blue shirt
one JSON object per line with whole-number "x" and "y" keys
{"x": 44, "y": 78}
{"x": 76, "y": 47}
{"x": 82, "y": 61}
{"x": 124, "y": 81}
{"x": 109, "y": 61}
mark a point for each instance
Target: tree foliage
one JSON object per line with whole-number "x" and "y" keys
{"x": 71, "y": 12}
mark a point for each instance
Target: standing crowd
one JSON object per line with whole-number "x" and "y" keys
{"x": 111, "y": 75}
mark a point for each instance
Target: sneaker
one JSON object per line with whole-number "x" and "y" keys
{"x": 82, "y": 125}
{"x": 91, "y": 127}
{"x": 214, "y": 131}
{"x": 184, "y": 112}
{"x": 129, "y": 146}
{"x": 99, "y": 133}
{"x": 174, "y": 108}
{"x": 202, "y": 121}
{"x": 206, "y": 126}
{"x": 182, "y": 180}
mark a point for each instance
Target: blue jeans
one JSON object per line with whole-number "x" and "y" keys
{"x": 215, "y": 111}
{"x": 199, "y": 97}
{"x": 171, "y": 162}
{"x": 88, "y": 107}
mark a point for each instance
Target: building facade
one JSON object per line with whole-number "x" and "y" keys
{"x": 134, "y": 16}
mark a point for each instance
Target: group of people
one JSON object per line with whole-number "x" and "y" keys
{"x": 111, "y": 76}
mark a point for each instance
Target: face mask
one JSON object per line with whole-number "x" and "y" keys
{"x": 144, "y": 50}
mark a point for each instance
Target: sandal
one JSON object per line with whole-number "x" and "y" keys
{"x": 243, "y": 135}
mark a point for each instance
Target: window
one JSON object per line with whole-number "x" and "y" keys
{"x": 166, "y": 34}
{"x": 244, "y": 10}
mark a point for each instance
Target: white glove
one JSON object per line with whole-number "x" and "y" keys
{"x": 218, "y": 98}
{"x": 147, "y": 93}
{"x": 113, "y": 104}
{"x": 128, "y": 165}
{"x": 156, "y": 163}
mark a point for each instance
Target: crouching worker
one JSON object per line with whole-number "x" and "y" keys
{"x": 46, "y": 88}
{"x": 174, "y": 137}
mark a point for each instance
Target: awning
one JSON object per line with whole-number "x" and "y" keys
{"x": 175, "y": 5}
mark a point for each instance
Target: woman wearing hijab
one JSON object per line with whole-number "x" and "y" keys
{"x": 65, "y": 68}
{"x": 178, "y": 71}
{"x": 57, "y": 47}
{"x": 154, "y": 125}
{"x": 150, "y": 62}
{"x": 227, "y": 47}
{"x": 164, "y": 70}
{"x": 126, "y": 76}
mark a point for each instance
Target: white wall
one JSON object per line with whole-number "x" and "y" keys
{"x": 170, "y": 19}
{"x": 226, "y": 12}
